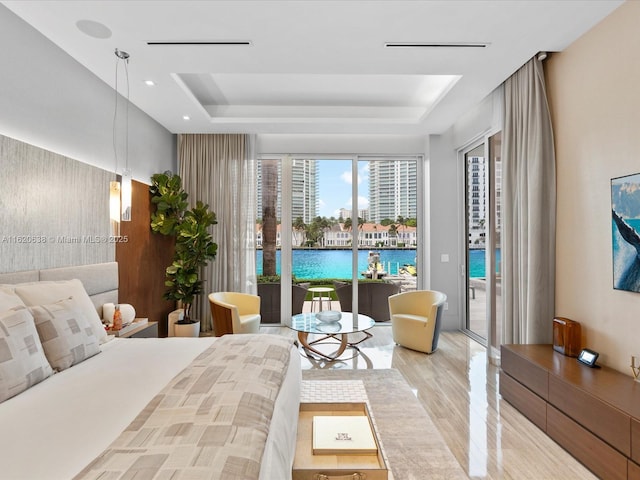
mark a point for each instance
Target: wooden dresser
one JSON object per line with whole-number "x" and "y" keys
{"x": 594, "y": 413}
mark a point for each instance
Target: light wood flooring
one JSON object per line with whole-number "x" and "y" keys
{"x": 458, "y": 387}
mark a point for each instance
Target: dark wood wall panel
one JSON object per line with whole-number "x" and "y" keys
{"x": 142, "y": 261}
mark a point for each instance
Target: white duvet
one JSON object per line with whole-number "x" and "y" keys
{"x": 54, "y": 429}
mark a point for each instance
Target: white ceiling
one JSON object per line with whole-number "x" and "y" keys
{"x": 310, "y": 66}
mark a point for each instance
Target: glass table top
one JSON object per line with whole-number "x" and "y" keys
{"x": 348, "y": 323}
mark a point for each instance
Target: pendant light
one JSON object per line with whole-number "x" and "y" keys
{"x": 120, "y": 191}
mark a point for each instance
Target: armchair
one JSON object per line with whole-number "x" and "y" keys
{"x": 235, "y": 312}
{"x": 415, "y": 319}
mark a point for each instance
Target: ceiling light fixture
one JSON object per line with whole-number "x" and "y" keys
{"x": 120, "y": 193}
{"x": 149, "y": 83}
{"x": 436, "y": 45}
{"x": 186, "y": 117}
{"x": 219, "y": 43}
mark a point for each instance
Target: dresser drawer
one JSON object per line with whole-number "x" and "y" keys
{"x": 532, "y": 376}
{"x": 528, "y": 403}
{"x": 635, "y": 440}
{"x": 605, "y": 421}
{"x": 596, "y": 455}
{"x": 634, "y": 471}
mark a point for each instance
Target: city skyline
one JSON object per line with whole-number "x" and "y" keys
{"x": 323, "y": 187}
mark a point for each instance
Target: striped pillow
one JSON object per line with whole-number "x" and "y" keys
{"x": 22, "y": 359}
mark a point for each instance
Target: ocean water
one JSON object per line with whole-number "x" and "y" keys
{"x": 311, "y": 264}
{"x": 624, "y": 256}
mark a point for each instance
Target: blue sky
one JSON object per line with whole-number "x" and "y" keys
{"x": 335, "y": 186}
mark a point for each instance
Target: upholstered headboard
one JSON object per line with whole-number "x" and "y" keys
{"x": 100, "y": 280}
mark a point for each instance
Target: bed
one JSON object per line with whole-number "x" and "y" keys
{"x": 89, "y": 420}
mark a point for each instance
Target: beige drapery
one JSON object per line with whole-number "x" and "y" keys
{"x": 529, "y": 209}
{"x": 219, "y": 169}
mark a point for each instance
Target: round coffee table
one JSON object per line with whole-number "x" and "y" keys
{"x": 307, "y": 323}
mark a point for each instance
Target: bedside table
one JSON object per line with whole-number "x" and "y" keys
{"x": 147, "y": 330}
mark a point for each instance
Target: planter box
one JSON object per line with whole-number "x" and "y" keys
{"x": 269, "y": 293}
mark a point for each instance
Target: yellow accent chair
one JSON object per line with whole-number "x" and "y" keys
{"x": 235, "y": 312}
{"x": 416, "y": 318}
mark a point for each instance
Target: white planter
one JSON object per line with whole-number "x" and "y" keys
{"x": 186, "y": 330}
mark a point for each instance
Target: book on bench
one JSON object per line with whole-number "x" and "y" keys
{"x": 343, "y": 435}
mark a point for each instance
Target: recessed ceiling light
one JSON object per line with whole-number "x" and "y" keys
{"x": 149, "y": 83}
{"x": 93, "y": 29}
{"x": 186, "y": 117}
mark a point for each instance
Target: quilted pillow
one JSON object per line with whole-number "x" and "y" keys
{"x": 44, "y": 293}
{"x": 66, "y": 335}
{"x": 22, "y": 359}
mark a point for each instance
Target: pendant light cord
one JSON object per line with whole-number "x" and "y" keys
{"x": 115, "y": 118}
{"x": 124, "y": 57}
{"x": 126, "y": 123}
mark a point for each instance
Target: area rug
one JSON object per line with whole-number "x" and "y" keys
{"x": 412, "y": 444}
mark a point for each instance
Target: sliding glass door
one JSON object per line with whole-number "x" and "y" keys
{"x": 477, "y": 171}
{"x": 327, "y": 223}
{"x": 483, "y": 226}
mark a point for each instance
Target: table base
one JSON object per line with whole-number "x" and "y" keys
{"x": 342, "y": 339}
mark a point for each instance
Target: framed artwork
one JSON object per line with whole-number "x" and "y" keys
{"x": 625, "y": 232}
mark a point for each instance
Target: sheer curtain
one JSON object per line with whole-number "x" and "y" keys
{"x": 529, "y": 209}
{"x": 220, "y": 170}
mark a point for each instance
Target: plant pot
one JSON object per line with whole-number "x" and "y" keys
{"x": 186, "y": 329}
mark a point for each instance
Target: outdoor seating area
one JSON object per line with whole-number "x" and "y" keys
{"x": 372, "y": 298}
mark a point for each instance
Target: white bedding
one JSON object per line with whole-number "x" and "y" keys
{"x": 54, "y": 429}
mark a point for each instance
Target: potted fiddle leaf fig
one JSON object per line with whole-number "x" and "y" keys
{"x": 194, "y": 244}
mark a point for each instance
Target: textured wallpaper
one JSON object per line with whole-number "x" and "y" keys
{"x": 54, "y": 211}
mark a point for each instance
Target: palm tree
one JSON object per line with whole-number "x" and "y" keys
{"x": 402, "y": 222}
{"x": 269, "y": 220}
{"x": 393, "y": 232}
{"x": 299, "y": 227}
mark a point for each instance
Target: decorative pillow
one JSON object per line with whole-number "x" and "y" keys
{"x": 66, "y": 336}
{"x": 44, "y": 293}
{"x": 9, "y": 299}
{"x": 22, "y": 359}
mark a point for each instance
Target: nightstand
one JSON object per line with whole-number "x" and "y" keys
{"x": 147, "y": 330}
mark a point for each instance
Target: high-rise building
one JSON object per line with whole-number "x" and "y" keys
{"x": 393, "y": 189}
{"x": 476, "y": 181}
{"x": 304, "y": 201}
{"x": 346, "y": 213}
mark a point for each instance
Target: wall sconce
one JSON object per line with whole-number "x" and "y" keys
{"x": 126, "y": 195}
{"x": 114, "y": 207}
{"x": 120, "y": 193}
